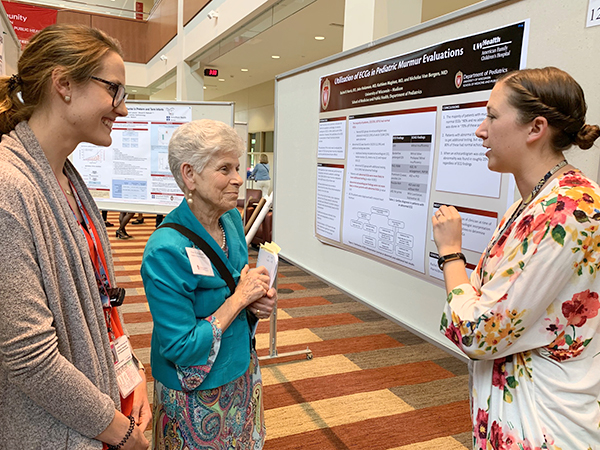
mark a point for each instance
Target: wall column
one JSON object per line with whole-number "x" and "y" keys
{"x": 190, "y": 85}
{"x": 369, "y": 20}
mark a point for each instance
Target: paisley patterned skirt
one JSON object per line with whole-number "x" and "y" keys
{"x": 225, "y": 418}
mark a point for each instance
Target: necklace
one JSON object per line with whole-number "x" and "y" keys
{"x": 68, "y": 192}
{"x": 536, "y": 190}
{"x": 224, "y": 244}
{"x": 538, "y": 187}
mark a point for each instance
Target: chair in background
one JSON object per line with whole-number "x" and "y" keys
{"x": 253, "y": 196}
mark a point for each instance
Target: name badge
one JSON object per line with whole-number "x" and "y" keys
{"x": 128, "y": 375}
{"x": 200, "y": 263}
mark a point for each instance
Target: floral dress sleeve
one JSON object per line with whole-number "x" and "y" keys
{"x": 191, "y": 377}
{"x": 536, "y": 285}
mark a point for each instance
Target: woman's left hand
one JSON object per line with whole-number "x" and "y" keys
{"x": 447, "y": 230}
{"x": 263, "y": 307}
{"x": 141, "y": 411}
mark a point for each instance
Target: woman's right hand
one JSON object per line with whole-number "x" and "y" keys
{"x": 252, "y": 285}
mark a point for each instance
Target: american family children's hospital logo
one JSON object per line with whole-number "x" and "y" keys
{"x": 458, "y": 79}
{"x": 325, "y": 93}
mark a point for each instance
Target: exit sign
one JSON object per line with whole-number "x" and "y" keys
{"x": 211, "y": 72}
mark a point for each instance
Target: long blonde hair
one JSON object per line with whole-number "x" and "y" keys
{"x": 78, "y": 49}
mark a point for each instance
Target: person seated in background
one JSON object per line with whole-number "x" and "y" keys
{"x": 260, "y": 174}
{"x": 207, "y": 382}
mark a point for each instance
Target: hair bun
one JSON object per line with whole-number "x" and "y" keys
{"x": 586, "y": 136}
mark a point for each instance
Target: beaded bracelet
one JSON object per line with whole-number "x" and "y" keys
{"x": 129, "y": 431}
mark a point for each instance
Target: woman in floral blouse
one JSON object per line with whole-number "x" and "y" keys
{"x": 529, "y": 317}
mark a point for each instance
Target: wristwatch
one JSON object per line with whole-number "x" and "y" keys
{"x": 450, "y": 257}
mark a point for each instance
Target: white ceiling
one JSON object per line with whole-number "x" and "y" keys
{"x": 109, "y": 7}
{"x": 292, "y": 39}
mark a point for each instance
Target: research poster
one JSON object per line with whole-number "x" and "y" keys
{"x": 397, "y": 140}
{"x": 135, "y": 167}
{"x": 385, "y": 211}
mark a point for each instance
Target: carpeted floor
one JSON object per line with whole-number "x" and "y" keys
{"x": 370, "y": 384}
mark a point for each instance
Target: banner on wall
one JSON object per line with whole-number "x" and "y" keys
{"x": 27, "y": 20}
{"x": 2, "y": 67}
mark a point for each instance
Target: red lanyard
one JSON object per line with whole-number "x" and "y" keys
{"x": 98, "y": 260}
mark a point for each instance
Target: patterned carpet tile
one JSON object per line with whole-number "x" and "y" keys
{"x": 127, "y": 272}
{"x": 310, "y": 322}
{"x": 291, "y": 287}
{"x": 448, "y": 390}
{"x": 410, "y": 377}
{"x": 341, "y": 346}
{"x": 444, "y": 443}
{"x": 303, "y": 301}
{"x": 139, "y": 328}
{"x": 140, "y": 340}
{"x": 332, "y": 412}
{"x": 355, "y": 330}
{"x": 136, "y": 299}
{"x": 328, "y": 308}
{"x": 454, "y": 365}
{"x": 317, "y": 367}
{"x": 131, "y": 318}
{"x": 286, "y": 338}
{"x": 383, "y": 432}
{"x": 131, "y": 307}
{"x": 321, "y": 292}
{"x": 131, "y": 284}
{"x": 393, "y": 356}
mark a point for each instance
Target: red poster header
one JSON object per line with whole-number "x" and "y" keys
{"x": 28, "y": 20}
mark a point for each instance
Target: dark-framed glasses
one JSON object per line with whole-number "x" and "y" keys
{"x": 118, "y": 91}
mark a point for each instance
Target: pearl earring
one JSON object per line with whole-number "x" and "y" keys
{"x": 190, "y": 200}
{"x": 67, "y": 98}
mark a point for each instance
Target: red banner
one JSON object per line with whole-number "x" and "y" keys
{"x": 139, "y": 6}
{"x": 28, "y": 20}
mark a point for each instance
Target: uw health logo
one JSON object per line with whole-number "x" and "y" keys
{"x": 325, "y": 93}
{"x": 458, "y": 79}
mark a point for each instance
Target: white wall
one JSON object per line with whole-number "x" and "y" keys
{"x": 254, "y": 106}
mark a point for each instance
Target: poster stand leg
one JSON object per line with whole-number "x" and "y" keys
{"x": 273, "y": 354}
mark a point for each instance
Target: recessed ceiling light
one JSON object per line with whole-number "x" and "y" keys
{"x": 275, "y": 56}
{"x": 320, "y": 38}
{"x": 134, "y": 90}
{"x": 221, "y": 79}
{"x": 203, "y": 87}
{"x": 244, "y": 70}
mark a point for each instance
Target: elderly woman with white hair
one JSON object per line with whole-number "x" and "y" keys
{"x": 208, "y": 388}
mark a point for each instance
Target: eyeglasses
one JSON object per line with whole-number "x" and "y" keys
{"x": 118, "y": 91}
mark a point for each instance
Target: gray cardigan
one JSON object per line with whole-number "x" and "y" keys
{"x": 57, "y": 381}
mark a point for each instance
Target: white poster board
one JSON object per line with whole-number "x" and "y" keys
{"x": 409, "y": 297}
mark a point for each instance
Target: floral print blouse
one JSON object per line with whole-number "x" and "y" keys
{"x": 529, "y": 321}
